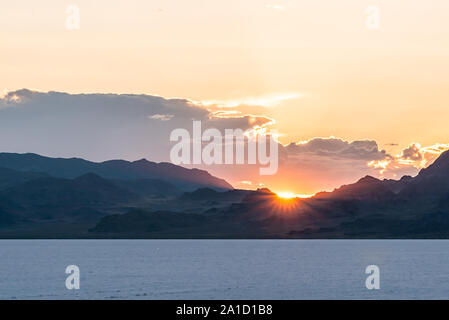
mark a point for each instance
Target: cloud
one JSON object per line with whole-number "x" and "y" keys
{"x": 335, "y": 161}
{"x": 335, "y": 147}
{"x": 240, "y": 122}
{"x": 104, "y": 126}
{"x": 412, "y": 153}
{"x": 101, "y": 127}
{"x": 410, "y": 161}
{"x": 318, "y": 164}
{"x": 18, "y": 96}
{"x": 309, "y": 166}
{"x": 226, "y": 113}
{"x": 266, "y": 101}
{"x": 162, "y": 117}
{"x": 15, "y": 97}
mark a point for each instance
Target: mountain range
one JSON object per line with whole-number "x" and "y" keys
{"x": 43, "y": 197}
{"x": 180, "y": 177}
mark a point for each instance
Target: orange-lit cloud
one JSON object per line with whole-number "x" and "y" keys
{"x": 320, "y": 164}
{"x": 267, "y": 101}
{"x": 109, "y": 126}
{"x": 413, "y": 157}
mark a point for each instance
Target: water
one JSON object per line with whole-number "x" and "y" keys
{"x": 224, "y": 269}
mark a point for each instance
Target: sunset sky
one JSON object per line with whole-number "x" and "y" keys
{"x": 313, "y": 67}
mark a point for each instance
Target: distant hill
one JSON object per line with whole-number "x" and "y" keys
{"x": 150, "y": 187}
{"x": 207, "y": 194}
{"x": 182, "y": 178}
{"x": 141, "y": 222}
{"x": 88, "y": 189}
{"x": 48, "y": 198}
{"x": 92, "y": 206}
{"x": 36, "y": 191}
{"x": 367, "y": 188}
{"x": 10, "y": 178}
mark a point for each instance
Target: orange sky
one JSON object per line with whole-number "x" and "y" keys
{"x": 312, "y": 66}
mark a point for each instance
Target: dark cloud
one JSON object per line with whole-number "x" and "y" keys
{"x": 239, "y": 122}
{"x": 412, "y": 153}
{"x": 334, "y": 147}
{"x": 102, "y": 126}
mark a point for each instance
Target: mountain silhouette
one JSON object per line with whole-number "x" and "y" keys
{"x": 432, "y": 181}
{"x": 56, "y": 199}
{"x": 89, "y": 189}
{"x": 412, "y": 207}
{"x": 122, "y": 203}
{"x": 182, "y": 178}
{"x": 9, "y": 177}
{"x": 367, "y": 188}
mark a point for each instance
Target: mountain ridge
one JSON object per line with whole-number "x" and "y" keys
{"x": 90, "y": 206}
{"x": 183, "y": 178}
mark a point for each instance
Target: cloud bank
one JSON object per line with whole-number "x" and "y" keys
{"x": 100, "y": 127}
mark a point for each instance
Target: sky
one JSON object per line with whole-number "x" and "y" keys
{"x": 313, "y": 70}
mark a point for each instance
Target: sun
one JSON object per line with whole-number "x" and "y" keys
{"x": 286, "y": 195}
{"x": 291, "y": 195}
